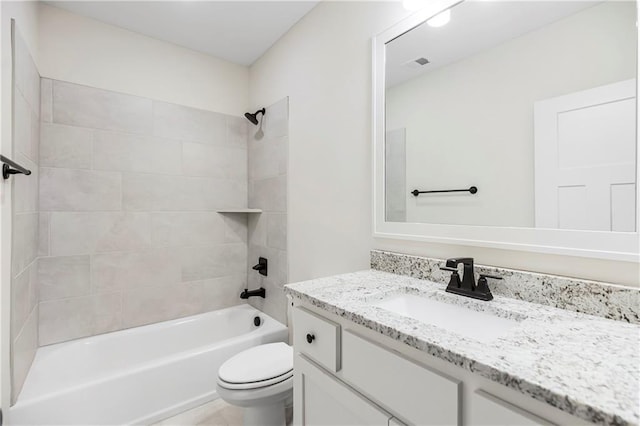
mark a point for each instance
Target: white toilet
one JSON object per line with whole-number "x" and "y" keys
{"x": 260, "y": 380}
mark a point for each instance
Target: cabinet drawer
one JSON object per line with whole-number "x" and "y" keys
{"x": 317, "y": 338}
{"x": 416, "y": 394}
{"x": 487, "y": 409}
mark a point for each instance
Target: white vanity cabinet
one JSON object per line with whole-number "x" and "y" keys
{"x": 322, "y": 400}
{"x": 344, "y": 377}
{"x": 488, "y": 410}
{"x": 413, "y": 392}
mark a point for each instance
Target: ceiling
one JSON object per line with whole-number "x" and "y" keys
{"x": 237, "y": 31}
{"x": 475, "y": 26}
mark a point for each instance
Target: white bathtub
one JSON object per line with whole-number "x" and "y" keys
{"x": 140, "y": 375}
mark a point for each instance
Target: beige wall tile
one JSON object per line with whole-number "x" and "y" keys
{"x": 79, "y": 190}
{"x": 67, "y": 319}
{"x": 214, "y": 161}
{"x": 187, "y": 228}
{"x": 34, "y": 141}
{"x": 85, "y": 106}
{"x": 277, "y": 230}
{"x": 267, "y": 158}
{"x": 22, "y": 127}
{"x": 25, "y": 195}
{"x": 178, "y": 122}
{"x": 46, "y": 100}
{"x": 99, "y": 232}
{"x": 43, "y": 233}
{"x": 219, "y": 293}
{"x": 257, "y": 229}
{"x": 200, "y": 263}
{"x": 135, "y": 153}
{"x": 23, "y": 351}
{"x": 25, "y": 218}
{"x": 156, "y": 192}
{"x": 21, "y": 301}
{"x": 236, "y": 227}
{"x": 237, "y": 131}
{"x": 64, "y": 319}
{"x": 154, "y": 304}
{"x": 269, "y": 194}
{"x": 274, "y": 305}
{"x": 62, "y": 277}
{"x": 107, "y": 312}
{"x": 267, "y": 233}
{"x": 126, "y": 271}
{"x": 65, "y": 146}
{"x": 116, "y": 190}
{"x": 26, "y": 241}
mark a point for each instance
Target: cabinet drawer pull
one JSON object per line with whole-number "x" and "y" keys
{"x": 310, "y": 338}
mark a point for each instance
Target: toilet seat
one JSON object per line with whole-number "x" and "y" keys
{"x": 257, "y": 367}
{"x": 255, "y": 385}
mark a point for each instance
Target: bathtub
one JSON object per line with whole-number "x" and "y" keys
{"x": 140, "y": 375}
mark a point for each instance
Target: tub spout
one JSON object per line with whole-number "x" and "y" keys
{"x": 259, "y": 292}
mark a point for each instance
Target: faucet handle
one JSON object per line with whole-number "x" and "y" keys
{"x": 446, "y": 268}
{"x": 490, "y": 276}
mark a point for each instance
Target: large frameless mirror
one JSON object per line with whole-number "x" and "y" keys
{"x": 510, "y": 114}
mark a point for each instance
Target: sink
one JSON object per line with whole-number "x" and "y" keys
{"x": 481, "y": 326}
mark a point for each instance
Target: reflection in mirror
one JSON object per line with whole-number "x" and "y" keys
{"x": 533, "y": 103}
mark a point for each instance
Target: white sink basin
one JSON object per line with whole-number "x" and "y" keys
{"x": 481, "y": 326}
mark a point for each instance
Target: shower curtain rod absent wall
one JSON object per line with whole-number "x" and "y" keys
{"x": 7, "y": 169}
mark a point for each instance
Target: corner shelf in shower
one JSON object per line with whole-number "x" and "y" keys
{"x": 250, "y": 211}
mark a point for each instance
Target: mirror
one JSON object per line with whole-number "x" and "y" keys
{"x": 530, "y": 103}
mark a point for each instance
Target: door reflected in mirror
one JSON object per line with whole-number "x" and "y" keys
{"x": 532, "y": 103}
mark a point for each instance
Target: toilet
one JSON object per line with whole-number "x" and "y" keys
{"x": 260, "y": 380}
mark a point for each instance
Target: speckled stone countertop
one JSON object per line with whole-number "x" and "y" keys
{"x": 581, "y": 364}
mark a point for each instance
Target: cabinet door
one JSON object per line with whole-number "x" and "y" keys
{"x": 419, "y": 395}
{"x": 321, "y": 400}
{"x": 487, "y": 410}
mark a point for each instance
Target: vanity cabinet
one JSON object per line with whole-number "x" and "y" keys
{"x": 415, "y": 393}
{"x": 342, "y": 377}
{"x": 317, "y": 338}
{"x": 488, "y": 410}
{"x": 322, "y": 400}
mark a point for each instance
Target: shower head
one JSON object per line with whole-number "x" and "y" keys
{"x": 254, "y": 117}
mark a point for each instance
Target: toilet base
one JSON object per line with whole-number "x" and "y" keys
{"x": 261, "y": 406}
{"x": 265, "y": 415}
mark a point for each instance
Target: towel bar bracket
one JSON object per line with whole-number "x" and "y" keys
{"x": 10, "y": 167}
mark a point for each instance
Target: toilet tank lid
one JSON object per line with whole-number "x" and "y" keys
{"x": 259, "y": 363}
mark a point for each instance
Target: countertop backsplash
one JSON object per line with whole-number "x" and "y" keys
{"x": 589, "y": 297}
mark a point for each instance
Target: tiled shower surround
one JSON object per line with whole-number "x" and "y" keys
{"x": 24, "y": 256}
{"x": 268, "y": 157}
{"x": 129, "y": 193}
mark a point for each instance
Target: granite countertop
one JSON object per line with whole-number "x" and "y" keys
{"x": 581, "y": 364}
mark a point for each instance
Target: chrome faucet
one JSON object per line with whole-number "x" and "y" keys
{"x": 467, "y": 286}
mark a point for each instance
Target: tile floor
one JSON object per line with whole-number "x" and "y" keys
{"x": 214, "y": 413}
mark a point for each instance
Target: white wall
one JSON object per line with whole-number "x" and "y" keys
{"x": 26, "y": 17}
{"x": 324, "y": 64}
{"x": 493, "y": 93}
{"x": 85, "y": 51}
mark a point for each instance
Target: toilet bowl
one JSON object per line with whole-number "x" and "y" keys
{"x": 260, "y": 380}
